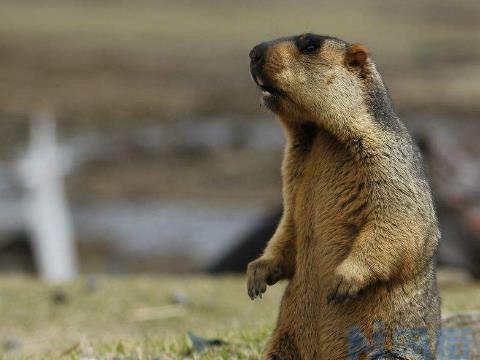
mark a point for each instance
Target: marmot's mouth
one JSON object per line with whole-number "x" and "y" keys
{"x": 269, "y": 90}
{"x": 271, "y": 97}
{"x": 265, "y": 85}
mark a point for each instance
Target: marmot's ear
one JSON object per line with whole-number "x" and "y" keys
{"x": 356, "y": 55}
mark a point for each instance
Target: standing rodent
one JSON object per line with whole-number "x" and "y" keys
{"x": 358, "y": 235}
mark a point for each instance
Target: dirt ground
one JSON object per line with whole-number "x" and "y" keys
{"x": 128, "y": 62}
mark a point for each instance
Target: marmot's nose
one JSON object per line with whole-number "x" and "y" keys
{"x": 257, "y": 53}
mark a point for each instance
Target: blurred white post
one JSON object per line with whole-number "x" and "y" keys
{"x": 48, "y": 216}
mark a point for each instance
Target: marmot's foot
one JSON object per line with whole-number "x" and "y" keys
{"x": 260, "y": 273}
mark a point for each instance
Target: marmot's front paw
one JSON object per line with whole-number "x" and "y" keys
{"x": 346, "y": 283}
{"x": 260, "y": 273}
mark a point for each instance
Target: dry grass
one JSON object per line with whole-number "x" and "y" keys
{"x": 148, "y": 317}
{"x": 137, "y": 318}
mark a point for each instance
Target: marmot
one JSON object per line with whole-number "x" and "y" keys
{"x": 359, "y": 234}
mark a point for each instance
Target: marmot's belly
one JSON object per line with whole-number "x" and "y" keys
{"x": 315, "y": 324}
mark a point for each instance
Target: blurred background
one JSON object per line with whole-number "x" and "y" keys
{"x": 137, "y": 125}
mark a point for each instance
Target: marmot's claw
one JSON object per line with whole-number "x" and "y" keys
{"x": 261, "y": 273}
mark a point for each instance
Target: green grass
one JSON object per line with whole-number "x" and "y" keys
{"x": 143, "y": 317}
{"x": 134, "y": 318}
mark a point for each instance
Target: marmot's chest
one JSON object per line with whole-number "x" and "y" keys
{"x": 330, "y": 195}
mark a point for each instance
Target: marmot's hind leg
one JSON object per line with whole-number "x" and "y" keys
{"x": 282, "y": 347}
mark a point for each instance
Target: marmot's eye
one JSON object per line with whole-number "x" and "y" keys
{"x": 310, "y": 48}
{"x": 308, "y": 44}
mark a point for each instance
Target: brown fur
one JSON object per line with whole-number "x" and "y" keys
{"x": 356, "y": 55}
{"x": 358, "y": 235}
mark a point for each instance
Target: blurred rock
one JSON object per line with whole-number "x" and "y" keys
{"x": 451, "y": 152}
{"x": 16, "y": 253}
{"x": 200, "y": 344}
{"x": 11, "y": 344}
{"x": 250, "y": 246}
{"x": 179, "y": 298}
{"x": 60, "y": 297}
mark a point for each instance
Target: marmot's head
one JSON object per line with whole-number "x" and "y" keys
{"x": 312, "y": 75}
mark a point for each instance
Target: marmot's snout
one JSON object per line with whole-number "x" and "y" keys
{"x": 257, "y": 67}
{"x": 259, "y": 62}
{"x": 257, "y": 54}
